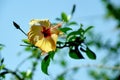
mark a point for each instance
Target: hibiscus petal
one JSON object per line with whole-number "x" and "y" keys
{"x": 35, "y": 34}
{"x": 42, "y": 22}
{"x": 54, "y": 37}
{"x": 46, "y": 44}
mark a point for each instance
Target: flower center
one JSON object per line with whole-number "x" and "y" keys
{"x": 46, "y": 32}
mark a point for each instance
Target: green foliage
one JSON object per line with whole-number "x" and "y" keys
{"x": 64, "y": 17}
{"x": 72, "y": 23}
{"x": 75, "y": 53}
{"x": 90, "y": 54}
{"x": 1, "y": 46}
{"x": 1, "y": 64}
{"x": 1, "y": 67}
{"x": 88, "y": 28}
{"x": 65, "y": 29}
{"x": 27, "y": 75}
{"x": 45, "y": 63}
{"x": 26, "y": 41}
{"x": 74, "y": 39}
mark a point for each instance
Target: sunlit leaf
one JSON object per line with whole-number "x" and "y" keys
{"x": 79, "y": 32}
{"x": 64, "y": 17}
{"x": 45, "y": 64}
{"x": 72, "y": 34}
{"x": 23, "y": 74}
{"x": 28, "y": 49}
{"x": 26, "y": 41}
{"x": 86, "y": 30}
{"x": 90, "y": 53}
{"x": 72, "y": 38}
{"x": 65, "y": 29}
{"x": 2, "y": 66}
{"x": 72, "y": 23}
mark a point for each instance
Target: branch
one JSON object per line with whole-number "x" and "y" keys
{"x": 7, "y": 71}
{"x": 87, "y": 66}
{"x": 68, "y": 44}
{"x": 22, "y": 62}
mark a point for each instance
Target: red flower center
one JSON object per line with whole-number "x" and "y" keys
{"x": 46, "y": 32}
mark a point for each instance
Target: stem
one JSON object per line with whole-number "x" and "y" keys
{"x": 34, "y": 66}
{"x": 18, "y": 27}
{"x": 7, "y": 71}
{"x": 68, "y": 44}
{"x": 20, "y": 64}
{"x": 22, "y": 31}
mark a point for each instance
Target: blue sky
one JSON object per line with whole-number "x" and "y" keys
{"x": 88, "y": 12}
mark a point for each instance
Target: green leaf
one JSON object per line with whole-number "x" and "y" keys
{"x": 75, "y": 53}
{"x": 45, "y": 64}
{"x": 73, "y": 9}
{"x": 65, "y": 29}
{"x": 72, "y": 23}
{"x": 86, "y": 30}
{"x": 64, "y": 17}
{"x": 26, "y": 41}
{"x": 72, "y": 38}
{"x": 51, "y": 53}
{"x": 23, "y": 73}
{"x": 90, "y": 53}
{"x": 28, "y": 48}
{"x": 72, "y": 34}
{"x": 79, "y": 32}
{"x": 2, "y": 66}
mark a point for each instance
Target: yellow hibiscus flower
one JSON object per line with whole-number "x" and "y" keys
{"x": 43, "y": 35}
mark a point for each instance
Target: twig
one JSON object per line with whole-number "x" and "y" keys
{"x": 89, "y": 65}
{"x": 18, "y": 27}
{"x": 7, "y": 71}
{"x": 20, "y": 64}
{"x": 34, "y": 66}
